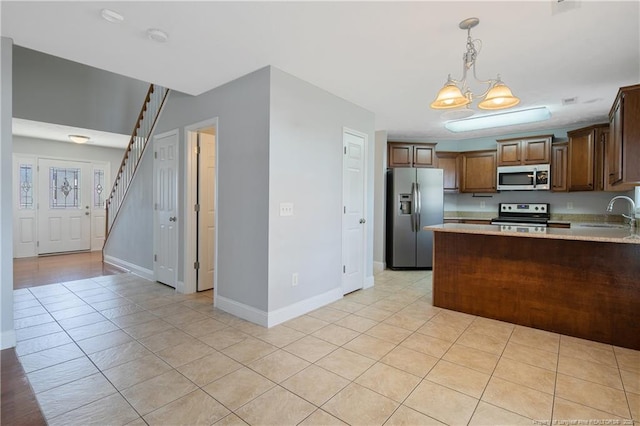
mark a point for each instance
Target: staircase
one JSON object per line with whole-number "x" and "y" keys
{"x": 145, "y": 125}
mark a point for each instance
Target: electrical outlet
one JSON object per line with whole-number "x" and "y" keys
{"x": 569, "y": 205}
{"x": 483, "y": 204}
{"x": 286, "y": 209}
{"x": 294, "y": 279}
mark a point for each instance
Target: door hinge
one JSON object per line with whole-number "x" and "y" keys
{"x": 155, "y": 257}
{"x": 37, "y": 243}
{"x": 155, "y": 154}
{"x": 344, "y": 269}
{"x": 345, "y": 209}
{"x": 197, "y": 150}
{"x": 345, "y": 150}
{"x": 196, "y": 207}
{"x": 196, "y": 265}
{"x": 155, "y": 206}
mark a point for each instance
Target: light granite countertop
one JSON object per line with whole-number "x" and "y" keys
{"x": 578, "y": 231}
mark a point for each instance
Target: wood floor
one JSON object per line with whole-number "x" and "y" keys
{"x": 18, "y": 402}
{"x": 43, "y": 270}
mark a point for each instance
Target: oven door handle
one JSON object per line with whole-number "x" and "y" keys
{"x": 535, "y": 177}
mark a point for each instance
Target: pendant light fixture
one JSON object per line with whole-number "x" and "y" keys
{"x": 456, "y": 93}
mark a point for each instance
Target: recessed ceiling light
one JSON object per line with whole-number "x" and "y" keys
{"x": 79, "y": 138}
{"x": 157, "y": 35}
{"x": 570, "y": 101}
{"x": 498, "y": 120}
{"x": 111, "y": 16}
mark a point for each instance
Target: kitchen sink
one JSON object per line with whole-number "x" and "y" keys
{"x": 603, "y": 225}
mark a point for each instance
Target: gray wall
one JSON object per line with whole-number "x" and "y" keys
{"x": 131, "y": 237}
{"x": 305, "y": 168}
{"x": 54, "y": 90}
{"x": 69, "y": 151}
{"x": 242, "y": 108}
{"x": 7, "y": 333}
{"x": 379, "y": 201}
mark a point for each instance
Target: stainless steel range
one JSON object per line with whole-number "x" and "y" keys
{"x": 523, "y": 217}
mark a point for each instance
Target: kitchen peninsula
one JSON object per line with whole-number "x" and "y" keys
{"x": 582, "y": 281}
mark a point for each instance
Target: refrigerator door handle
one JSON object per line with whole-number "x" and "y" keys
{"x": 413, "y": 207}
{"x": 419, "y": 208}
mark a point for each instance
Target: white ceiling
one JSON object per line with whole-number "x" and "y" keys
{"x": 60, "y": 133}
{"x": 388, "y": 57}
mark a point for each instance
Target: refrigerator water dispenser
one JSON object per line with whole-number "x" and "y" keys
{"x": 404, "y": 202}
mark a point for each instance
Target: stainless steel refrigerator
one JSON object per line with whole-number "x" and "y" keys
{"x": 415, "y": 198}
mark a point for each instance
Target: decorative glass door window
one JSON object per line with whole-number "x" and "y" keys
{"x": 98, "y": 188}
{"x": 26, "y": 186}
{"x": 64, "y": 188}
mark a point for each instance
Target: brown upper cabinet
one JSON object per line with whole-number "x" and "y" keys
{"x": 581, "y": 157}
{"x": 559, "y": 166}
{"x": 530, "y": 150}
{"x": 478, "y": 171}
{"x": 623, "y": 152}
{"x": 449, "y": 162}
{"x": 587, "y": 157}
{"x": 402, "y": 154}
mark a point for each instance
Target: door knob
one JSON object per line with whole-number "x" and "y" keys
{"x": 86, "y": 213}
{"x": 363, "y": 220}
{"x": 172, "y": 219}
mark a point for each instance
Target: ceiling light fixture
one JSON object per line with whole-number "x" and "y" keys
{"x": 111, "y": 16}
{"x": 157, "y": 35}
{"x": 510, "y": 118}
{"x": 79, "y": 138}
{"x": 456, "y": 93}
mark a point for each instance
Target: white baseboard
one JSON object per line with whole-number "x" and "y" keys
{"x": 304, "y": 306}
{"x": 134, "y": 269}
{"x": 7, "y": 339}
{"x": 368, "y": 282}
{"x": 241, "y": 310}
{"x": 270, "y": 319}
{"x": 180, "y": 287}
{"x": 378, "y": 267}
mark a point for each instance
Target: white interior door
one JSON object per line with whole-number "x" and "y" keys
{"x": 165, "y": 168}
{"x": 64, "y": 206}
{"x": 206, "y": 215}
{"x": 24, "y": 206}
{"x": 353, "y": 220}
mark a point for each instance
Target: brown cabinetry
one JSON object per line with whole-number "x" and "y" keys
{"x": 478, "y": 171}
{"x": 531, "y": 150}
{"x": 412, "y": 154}
{"x": 588, "y": 164}
{"x": 559, "y": 167}
{"x": 449, "y": 162}
{"x": 581, "y": 157}
{"x": 624, "y": 146}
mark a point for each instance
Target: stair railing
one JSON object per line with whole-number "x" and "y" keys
{"x": 145, "y": 125}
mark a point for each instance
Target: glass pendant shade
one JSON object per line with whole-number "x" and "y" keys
{"x": 499, "y": 97}
{"x": 450, "y": 96}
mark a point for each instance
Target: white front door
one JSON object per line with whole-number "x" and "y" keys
{"x": 353, "y": 220}
{"x": 165, "y": 169}
{"x": 206, "y": 215}
{"x": 64, "y": 206}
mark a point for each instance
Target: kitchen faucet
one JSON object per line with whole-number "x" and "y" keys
{"x": 631, "y": 217}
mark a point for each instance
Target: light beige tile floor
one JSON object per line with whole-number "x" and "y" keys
{"x": 122, "y": 350}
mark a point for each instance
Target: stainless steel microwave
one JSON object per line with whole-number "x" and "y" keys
{"x": 524, "y": 178}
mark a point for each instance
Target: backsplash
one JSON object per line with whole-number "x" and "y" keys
{"x": 563, "y": 204}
